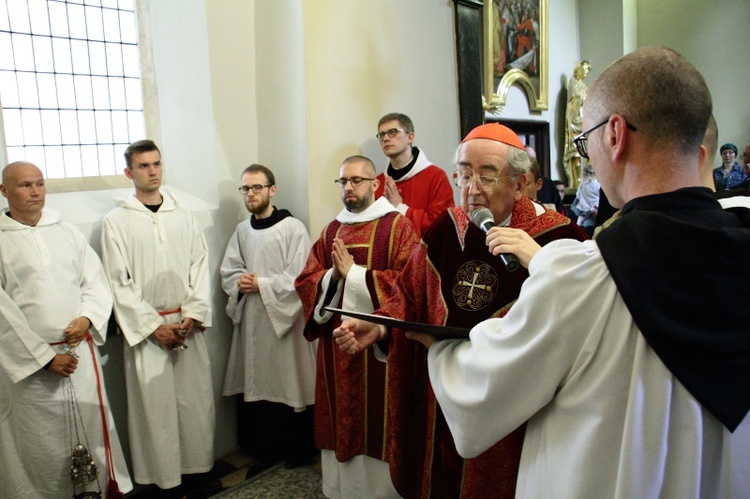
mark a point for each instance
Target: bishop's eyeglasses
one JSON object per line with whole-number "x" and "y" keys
{"x": 255, "y": 188}
{"x": 464, "y": 180}
{"x": 582, "y": 139}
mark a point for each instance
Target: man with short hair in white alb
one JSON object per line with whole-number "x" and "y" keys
{"x": 156, "y": 260}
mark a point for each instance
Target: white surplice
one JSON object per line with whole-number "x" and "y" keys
{"x": 606, "y": 416}
{"x": 49, "y": 276}
{"x": 159, "y": 262}
{"x": 270, "y": 359}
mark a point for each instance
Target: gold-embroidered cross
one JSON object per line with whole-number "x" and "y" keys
{"x": 473, "y": 284}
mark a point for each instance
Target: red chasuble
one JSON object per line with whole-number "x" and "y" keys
{"x": 350, "y": 390}
{"x": 453, "y": 280}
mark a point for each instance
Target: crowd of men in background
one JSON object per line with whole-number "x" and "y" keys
{"x": 607, "y": 389}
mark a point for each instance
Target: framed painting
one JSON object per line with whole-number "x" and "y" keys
{"x": 515, "y": 51}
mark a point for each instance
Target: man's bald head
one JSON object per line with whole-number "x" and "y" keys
{"x": 12, "y": 168}
{"x": 368, "y": 165}
{"x": 23, "y": 186}
{"x": 658, "y": 91}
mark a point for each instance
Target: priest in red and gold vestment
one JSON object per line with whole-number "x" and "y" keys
{"x": 453, "y": 280}
{"x": 353, "y": 266}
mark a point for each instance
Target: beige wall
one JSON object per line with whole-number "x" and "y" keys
{"x": 602, "y": 30}
{"x": 281, "y": 101}
{"x": 708, "y": 34}
{"x": 365, "y": 59}
{"x": 711, "y": 35}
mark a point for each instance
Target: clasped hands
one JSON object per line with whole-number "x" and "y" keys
{"x": 248, "y": 283}
{"x": 391, "y": 192}
{"x": 342, "y": 260}
{"x": 166, "y": 334}
{"x": 355, "y": 335}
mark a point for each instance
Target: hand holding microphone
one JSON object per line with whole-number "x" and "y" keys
{"x": 483, "y": 219}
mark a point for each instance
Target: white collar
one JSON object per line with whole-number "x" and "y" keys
{"x": 378, "y": 209}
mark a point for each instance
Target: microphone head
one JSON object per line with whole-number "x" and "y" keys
{"x": 483, "y": 219}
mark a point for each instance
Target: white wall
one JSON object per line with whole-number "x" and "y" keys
{"x": 231, "y": 67}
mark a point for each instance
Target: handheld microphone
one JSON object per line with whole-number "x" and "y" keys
{"x": 483, "y": 219}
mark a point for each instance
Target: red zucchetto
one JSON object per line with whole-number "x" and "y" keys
{"x": 495, "y": 131}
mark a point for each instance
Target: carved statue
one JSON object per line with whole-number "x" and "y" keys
{"x": 574, "y": 122}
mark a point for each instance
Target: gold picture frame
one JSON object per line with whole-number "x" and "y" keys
{"x": 526, "y": 63}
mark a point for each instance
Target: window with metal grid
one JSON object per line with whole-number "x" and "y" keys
{"x": 70, "y": 84}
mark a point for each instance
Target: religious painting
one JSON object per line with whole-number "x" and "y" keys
{"x": 515, "y": 51}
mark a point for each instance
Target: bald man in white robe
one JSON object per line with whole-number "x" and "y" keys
{"x": 54, "y": 299}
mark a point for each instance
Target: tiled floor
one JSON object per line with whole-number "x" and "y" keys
{"x": 232, "y": 470}
{"x": 303, "y": 482}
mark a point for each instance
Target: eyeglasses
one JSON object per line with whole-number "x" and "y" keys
{"x": 390, "y": 132}
{"x": 255, "y": 188}
{"x": 464, "y": 180}
{"x": 582, "y": 139}
{"x": 355, "y": 181}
